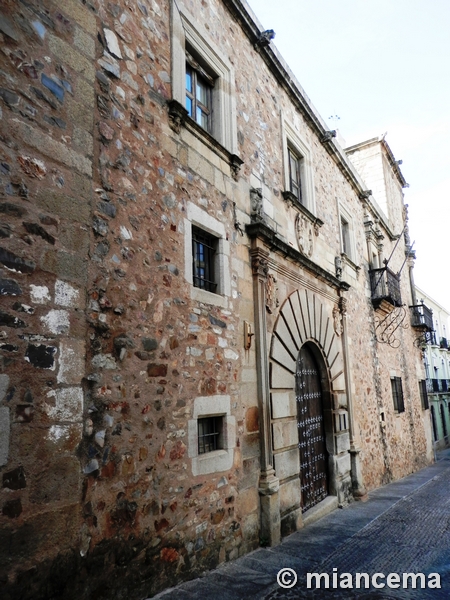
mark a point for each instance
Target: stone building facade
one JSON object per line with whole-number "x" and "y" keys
{"x": 201, "y": 344}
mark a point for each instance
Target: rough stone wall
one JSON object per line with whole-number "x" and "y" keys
{"x": 105, "y": 351}
{"x": 46, "y": 170}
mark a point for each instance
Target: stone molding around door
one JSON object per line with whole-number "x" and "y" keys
{"x": 304, "y": 317}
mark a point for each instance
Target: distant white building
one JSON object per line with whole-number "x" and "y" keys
{"x": 436, "y": 346}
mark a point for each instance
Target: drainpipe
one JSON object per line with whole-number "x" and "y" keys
{"x": 358, "y": 488}
{"x": 268, "y": 482}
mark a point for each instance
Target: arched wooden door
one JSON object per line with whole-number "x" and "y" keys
{"x": 311, "y": 430}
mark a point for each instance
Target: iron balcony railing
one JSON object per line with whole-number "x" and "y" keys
{"x": 438, "y": 386}
{"x": 421, "y": 317}
{"x": 443, "y": 342}
{"x": 385, "y": 285}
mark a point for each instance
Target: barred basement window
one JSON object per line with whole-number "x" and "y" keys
{"x": 210, "y": 436}
{"x": 424, "y": 394}
{"x": 204, "y": 247}
{"x": 397, "y": 394}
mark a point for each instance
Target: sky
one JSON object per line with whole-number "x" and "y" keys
{"x": 382, "y": 66}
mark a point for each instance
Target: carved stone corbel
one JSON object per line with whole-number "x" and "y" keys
{"x": 256, "y": 204}
{"x": 177, "y": 115}
{"x": 365, "y": 194}
{"x": 328, "y": 136}
{"x": 235, "y": 166}
{"x": 260, "y": 266}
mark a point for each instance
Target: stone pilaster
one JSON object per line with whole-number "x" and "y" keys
{"x": 268, "y": 482}
{"x": 358, "y": 488}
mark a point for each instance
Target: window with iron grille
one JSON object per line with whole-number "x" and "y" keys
{"x": 210, "y": 436}
{"x": 295, "y": 183}
{"x": 199, "y": 86}
{"x": 397, "y": 394}
{"x": 424, "y": 394}
{"x": 204, "y": 246}
{"x": 444, "y": 422}
{"x": 434, "y": 424}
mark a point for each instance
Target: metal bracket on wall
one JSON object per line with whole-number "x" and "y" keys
{"x": 248, "y": 334}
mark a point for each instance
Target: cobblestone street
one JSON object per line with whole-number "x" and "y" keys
{"x": 403, "y": 528}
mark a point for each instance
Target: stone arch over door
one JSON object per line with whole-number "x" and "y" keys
{"x": 306, "y": 320}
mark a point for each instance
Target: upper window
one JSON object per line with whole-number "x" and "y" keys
{"x": 345, "y": 236}
{"x": 346, "y": 233}
{"x": 397, "y": 394}
{"x": 298, "y": 172}
{"x": 204, "y": 247}
{"x": 199, "y": 87}
{"x": 295, "y": 181}
{"x": 203, "y": 79}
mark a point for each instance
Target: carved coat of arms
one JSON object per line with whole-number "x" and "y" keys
{"x": 305, "y": 235}
{"x": 272, "y": 301}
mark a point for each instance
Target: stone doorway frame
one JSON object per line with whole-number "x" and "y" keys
{"x": 305, "y": 318}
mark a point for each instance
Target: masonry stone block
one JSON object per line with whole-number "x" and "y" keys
{"x": 288, "y": 335}
{"x": 283, "y": 404}
{"x": 342, "y": 464}
{"x": 285, "y": 433}
{"x": 68, "y": 404}
{"x": 281, "y": 355}
{"x": 52, "y": 148}
{"x": 71, "y": 57}
{"x": 297, "y": 310}
{"x": 4, "y": 383}
{"x": 280, "y": 377}
{"x": 72, "y": 361}
{"x": 4, "y": 434}
{"x": 290, "y": 494}
{"x": 287, "y": 464}
{"x": 342, "y": 442}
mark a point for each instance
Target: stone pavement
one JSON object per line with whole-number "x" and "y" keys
{"x": 404, "y": 527}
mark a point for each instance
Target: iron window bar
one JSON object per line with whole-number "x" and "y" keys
{"x": 209, "y": 434}
{"x": 385, "y": 285}
{"x": 422, "y": 317}
{"x": 438, "y": 386}
{"x": 424, "y": 394}
{"x": 397, "y": 394}
{"x": 203, "y": 251}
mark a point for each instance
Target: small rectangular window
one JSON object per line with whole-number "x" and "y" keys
{"x": 424, "y": 394}
{"x": 204, "y": 247}
{"x": 295, "y": 183}
{"x": 210, "y": 436}
{"x": 397, "y": 394}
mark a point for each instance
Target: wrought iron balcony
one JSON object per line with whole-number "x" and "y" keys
{"x": 438, "y": 386}
{"x": 443, "y": 342}
{"x": 385, "y": 286}
{"x": 421, "y": 317}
